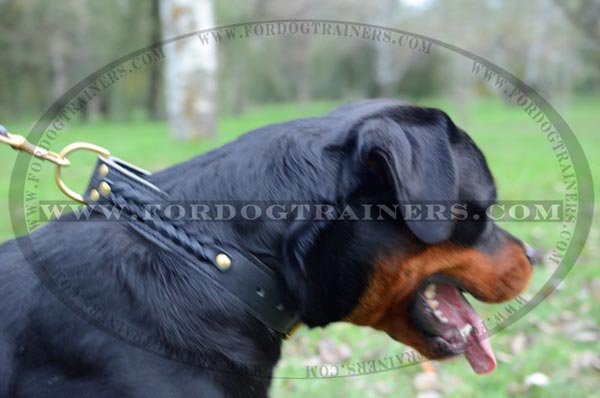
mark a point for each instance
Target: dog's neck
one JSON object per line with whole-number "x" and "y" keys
{"x": 170, "y": 308}
{"x": 228, "y": 175}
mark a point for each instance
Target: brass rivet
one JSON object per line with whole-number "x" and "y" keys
{"x": 103, "y": 170}
{"x": 104, "y": 188}
{"x": 94, "y": 195}
{"x": 223, "y": 261}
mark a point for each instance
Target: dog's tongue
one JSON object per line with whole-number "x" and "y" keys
{"x": 457, "y": 314}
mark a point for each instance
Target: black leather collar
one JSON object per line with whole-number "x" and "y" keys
{"x": 256, "y": 287}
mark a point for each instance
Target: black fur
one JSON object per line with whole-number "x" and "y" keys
{"x": 379, "y": 150}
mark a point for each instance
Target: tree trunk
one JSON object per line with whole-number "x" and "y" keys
{"x": 533, "y": 61}
{"x": 58, "y": 64}
{"x": 299, "y": 61}
{"x": 152, "y": 98}
{"x": 389, "y": 67}
{"x": 190, "y": 69}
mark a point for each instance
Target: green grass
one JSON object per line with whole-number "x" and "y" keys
{"x": 524, "y": 167}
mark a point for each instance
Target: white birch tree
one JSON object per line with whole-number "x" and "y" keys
{"x": 190, "y": 69}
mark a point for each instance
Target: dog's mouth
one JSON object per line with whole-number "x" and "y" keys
{"x": 445, "y": 319}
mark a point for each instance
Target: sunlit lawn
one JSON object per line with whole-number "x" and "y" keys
{"x": 525, "y": 168}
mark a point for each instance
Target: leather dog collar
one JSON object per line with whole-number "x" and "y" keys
{"x": 117, "y": 183}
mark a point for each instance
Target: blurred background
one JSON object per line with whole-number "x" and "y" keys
{"x": 194, "y": 95}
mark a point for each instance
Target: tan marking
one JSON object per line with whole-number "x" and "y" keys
{"x": 492, "y": 279}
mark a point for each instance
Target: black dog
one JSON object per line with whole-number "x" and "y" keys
{"x": 402, "y": 275}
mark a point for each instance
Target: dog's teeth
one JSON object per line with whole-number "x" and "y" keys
{"x": 440, "y": 316}
{"x": 433, "y": 303}
{"x": 466, "y": 331}
{"x": 430, "y": 291}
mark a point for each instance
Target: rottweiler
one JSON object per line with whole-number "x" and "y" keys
{"x": 404, "y": 274}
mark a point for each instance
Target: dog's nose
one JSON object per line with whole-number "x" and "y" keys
{"x": 529, "y": 253}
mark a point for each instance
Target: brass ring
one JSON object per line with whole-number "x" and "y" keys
{"x": 76, "y": 146}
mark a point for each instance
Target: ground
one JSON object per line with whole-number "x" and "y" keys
{"x": 560, "y": 338}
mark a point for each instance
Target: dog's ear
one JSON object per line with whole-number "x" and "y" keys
{"x": 412, "y": 148}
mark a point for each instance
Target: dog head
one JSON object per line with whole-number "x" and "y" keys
{"x": 405, "y": 273}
